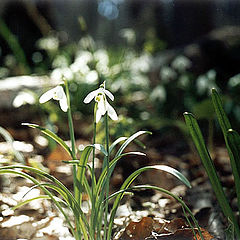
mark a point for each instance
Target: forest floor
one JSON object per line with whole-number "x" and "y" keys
{"x": 145, "y": 215}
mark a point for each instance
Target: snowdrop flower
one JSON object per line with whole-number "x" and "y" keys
{"x": 24, "y": 97}
{"x": 58, "y": 94}
{"x": 103, "y": 106}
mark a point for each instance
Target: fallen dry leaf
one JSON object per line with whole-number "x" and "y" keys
{"x": 138, "y": 230}
{"x": 183, "y": 234}
{"x": 175, "y": 229}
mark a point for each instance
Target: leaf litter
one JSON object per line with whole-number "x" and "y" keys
{"x": 45, "y": 222}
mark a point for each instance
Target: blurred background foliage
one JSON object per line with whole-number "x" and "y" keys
{"x": 159, "y": 58}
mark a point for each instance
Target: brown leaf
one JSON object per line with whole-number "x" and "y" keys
{"x": 175, "y": 229}
{"x": 138, "y": 230}
{"x": 175, "y": 224}
{"x": 184, "y": 234}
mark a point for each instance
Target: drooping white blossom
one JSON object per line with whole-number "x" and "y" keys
{"x": 23, "y": 97}
{"x": 103, "y": 107}
{"x": 58, "y": 94}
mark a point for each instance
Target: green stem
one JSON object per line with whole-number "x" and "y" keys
{"x": 93, "y": 213}
{"x": 107, "y": 182}
{"x": 210, "y": 136}
{"x": 71, "y": 131}
{"x": 73, "y": 150}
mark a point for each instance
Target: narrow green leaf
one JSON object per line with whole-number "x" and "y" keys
{"x": 101, "y": 148}
{"x": 129, "y": 140}
{"x": 174, "y": 172}
{"x": 101, "y": 184}
{"x": 102, "y": 177}
{"x": 221, "y": 115}
{"x": 61, "y": 189}
{"x": 81, "y": 171}
{"x": 37, "y": 198}
{"x": 116, "y": 142}
{"x": 8, "y": 170}
{"x": 51, "y": 135}
{"x": 209, "y": 167}
{"x": 233, "y": 147}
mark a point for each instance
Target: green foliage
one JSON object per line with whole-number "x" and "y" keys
{"x": 232, "y": 140}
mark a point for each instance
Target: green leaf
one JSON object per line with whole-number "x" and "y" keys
{"x": 221, "y": 115}
{"x": 101, "y": 148}
{"x": 81, "y": 169}
{"x": 116, "y": 142}
{"x": 129, "y": 140}
{"x": 37, "y": 198}
{"x": 60, "y": 188}
{"x": 209, "y": 167}
{"x": 102, "y": 177}
{"x": 10, "y": 170}
{"x": 233, "y": 147}
{"x": 51, "y": 135}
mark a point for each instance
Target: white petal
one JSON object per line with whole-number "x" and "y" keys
{"x": 91, "y": 96}
{"x": 109, "y": 94}
{"x": 111, "y": 112}
{"x": 59, "y": 93}
{"x": 98, "y": 115}
{"x": 18, "y": 101}
{"x": 47, "y": 96}
{"x": 63, "y": 104}
{"x": 102, "y": 107}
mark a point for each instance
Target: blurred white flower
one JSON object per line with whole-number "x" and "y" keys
{"x": 167, "y": 74}
{"x": 234, "y": 81}
{"x": 50, "y": 43}
{"x": 206, "y": 82}
{"x": 129, "y": 35}
{"x": 92, "y": 76}
{"x": 141, "y": 64}
{"x": 23, "y": 97}
{"x": 59, "y": 73}
{"x": 181, "y": 63}
{"x": 103, "y": 106}
{"x": 58, "y": 94}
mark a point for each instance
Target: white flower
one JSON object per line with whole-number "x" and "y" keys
{"x": 103, "y": 106}
{"x": 24, "y": 97}
{"x": 58, "y": 94}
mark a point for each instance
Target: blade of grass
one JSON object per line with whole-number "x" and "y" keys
{"x": 81, "y": 172}
{"x": 26, "y": 176}
{"x": 51, "y": 135}
{"x": 129, "y": 140}
{"x": 116, "y": 142}
{"x": 72, "y": 201}
{"x": 232, "y": 142}
{"x": 37, "y": 198}
{"x": 210, "y": 169}
{"x": 221, "y": 115}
